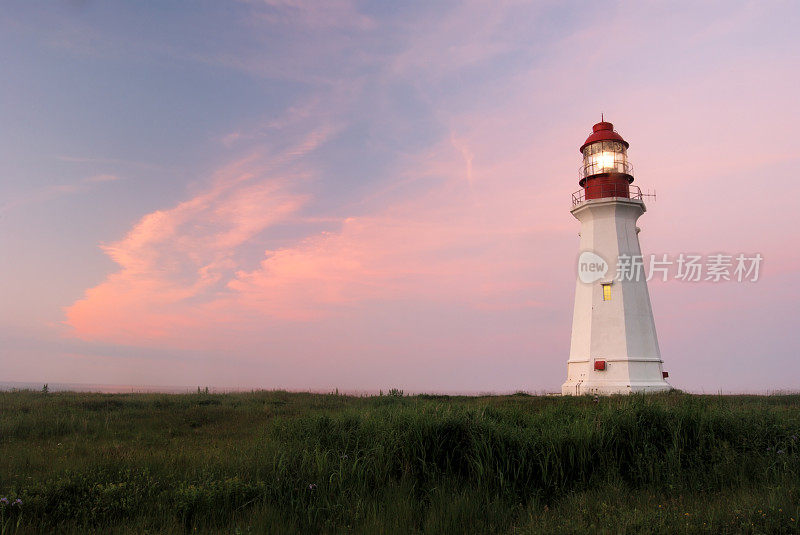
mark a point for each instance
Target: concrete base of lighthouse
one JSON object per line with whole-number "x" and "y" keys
{"x": 614, "y": 348}
{"x": 606, "y": 388}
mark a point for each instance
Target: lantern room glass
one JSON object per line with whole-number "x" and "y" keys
{"x": 605, "y": 157}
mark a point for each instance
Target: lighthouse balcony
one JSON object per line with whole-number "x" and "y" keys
{"x": 619, "y": 189}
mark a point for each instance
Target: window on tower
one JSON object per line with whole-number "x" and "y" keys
{"x": 607, "y": 291}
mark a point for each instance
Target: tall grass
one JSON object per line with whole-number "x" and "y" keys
{"x": 280, "y": 462}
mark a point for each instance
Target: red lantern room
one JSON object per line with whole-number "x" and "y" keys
{"x": 605, "y": 171}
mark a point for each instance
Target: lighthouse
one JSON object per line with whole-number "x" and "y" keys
{"x": 614, "y": 347}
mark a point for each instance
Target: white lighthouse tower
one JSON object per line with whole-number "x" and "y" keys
{"x": 614, "y": 347}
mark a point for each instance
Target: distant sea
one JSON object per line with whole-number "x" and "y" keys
{"x": 129, "y": 389}
{"x": 106, "y": 389}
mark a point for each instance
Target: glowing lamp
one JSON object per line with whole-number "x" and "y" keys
{"x": 605, "y": 157}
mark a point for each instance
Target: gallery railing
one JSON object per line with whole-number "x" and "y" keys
{"x": 604, "y": 191}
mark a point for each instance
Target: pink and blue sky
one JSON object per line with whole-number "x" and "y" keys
{"x": 366, "y": 195}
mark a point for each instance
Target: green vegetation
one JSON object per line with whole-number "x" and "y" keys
{"x": 275, "y": 462}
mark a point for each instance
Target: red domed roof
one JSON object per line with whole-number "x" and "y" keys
{"x": 603, "y": 131}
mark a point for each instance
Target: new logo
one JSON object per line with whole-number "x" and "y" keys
{"x": 591, "y": 267}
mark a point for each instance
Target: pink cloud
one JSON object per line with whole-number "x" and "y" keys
{"x": 182, "y": 276}
{"x": 172, "y": 256}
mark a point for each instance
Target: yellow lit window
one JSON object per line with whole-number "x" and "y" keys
{"x": 607, "y": 292}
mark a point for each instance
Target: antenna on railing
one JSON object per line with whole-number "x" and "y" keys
{"x": 649, "y": 195}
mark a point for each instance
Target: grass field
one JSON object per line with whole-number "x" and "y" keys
{"x": 277, "y": 462}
